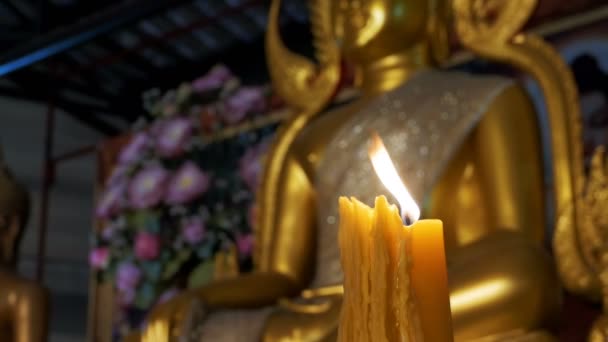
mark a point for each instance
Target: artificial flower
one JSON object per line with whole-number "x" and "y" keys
{"x": 214, "y": 79}
{"x": 135, "y": 149}
{"x": 147, "y": 246}
{"x": 241, "y": 103}
{"x": 148, "y": 187}
{"x": 155, "y": 128}
{"x": 244, "y": 244}
{"x": 107, "y": 233}
{"x": 126, "y": 297}
{"x": 158, "y": 171}
{"x": 250, "y": 165}
{"x": 173, "y": 136}
{"x": 193, "y": 230}
{"x": 111, "y": 202}
{"x": 99, "y": 258}
{"x": 128, "y": 276}
{"x": 187, "y": 184}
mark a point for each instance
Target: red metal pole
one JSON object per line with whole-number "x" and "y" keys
{"x": 83, "y": 151}
{"x": 48, "y": 174}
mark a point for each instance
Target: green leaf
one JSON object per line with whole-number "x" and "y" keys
{"x": 146, "y": 295}
{"x": 201, "y": 275}
{"x": 176, "y": 263}
{"x": 152, "y": 223}
{"x": 144, "y": 220}
{"x": 135, "y": 219}
{"x": 206, "y": 250}
{"x": 152, "y": 270}
{"x": 165, "y": 255}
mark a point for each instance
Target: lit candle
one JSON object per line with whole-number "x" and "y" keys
{"x": 395, "y": 277}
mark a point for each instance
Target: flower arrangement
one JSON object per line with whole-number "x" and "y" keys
{"x": 173, "y": 201}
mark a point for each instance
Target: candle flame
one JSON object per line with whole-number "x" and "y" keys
{"x": 386, "y": 171}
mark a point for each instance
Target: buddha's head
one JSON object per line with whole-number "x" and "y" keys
{"x": 14, "y": 212}
{"x": 369, "y": 30}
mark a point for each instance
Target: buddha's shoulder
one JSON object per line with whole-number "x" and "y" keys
{"x": 453, "y": 86}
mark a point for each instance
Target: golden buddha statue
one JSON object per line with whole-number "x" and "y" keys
{"x": 468, "y": 147}
{"x": 23, "y": 303}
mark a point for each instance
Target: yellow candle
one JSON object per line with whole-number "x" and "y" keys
{"x": 430, "y": 280}
{"x": 395, "y": 276}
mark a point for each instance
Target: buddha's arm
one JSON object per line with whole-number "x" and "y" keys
{"x": 510, "y": 159}
{"x": 287, "y": 267}
{"x": 31, "y": 315}
{"x": 248, "y": 291}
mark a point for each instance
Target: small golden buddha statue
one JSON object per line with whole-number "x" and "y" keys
{"x": 468, "y": 147}
{"x": 23, "y": 303}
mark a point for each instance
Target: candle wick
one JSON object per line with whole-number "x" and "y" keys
{"x": 407, "y": 220}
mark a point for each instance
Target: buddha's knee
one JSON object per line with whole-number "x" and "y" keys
{"x": 501, "y": 283}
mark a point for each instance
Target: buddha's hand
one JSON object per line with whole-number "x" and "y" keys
{"x": 599, "y": 331}
{"x": 173, "y": 319}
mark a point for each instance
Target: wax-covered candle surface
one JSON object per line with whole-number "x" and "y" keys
{"x": 395, "y": 280}
{"x": 378, "y": 300}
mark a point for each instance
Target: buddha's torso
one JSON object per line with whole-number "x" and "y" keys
{"x": 426, "y": 125}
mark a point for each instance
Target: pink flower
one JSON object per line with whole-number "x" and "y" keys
{"x": 147, "y": 246}
{"x": 214, "y": 79}
{"x": 193, "y": 230}
{"x": 128, "y": 276}
{"x": 187, "y": 184}
{"x": 112, "y": 200}
{"x": 173, "y": 136}
{"x": 244, "y": 101}
{"x": 135, "y": 149}
{"x": 99, "y": 258}
{"x": 250, "y": 165}
{"x": 147, "y": 187}
{"x": 244, "y": 244}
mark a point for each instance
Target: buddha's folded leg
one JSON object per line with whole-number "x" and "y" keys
{"x": 500, "y": 283}
{"x": 231, "y": 326}
{"x": 317, "y": 322}
{"x": 503, "y": 283}
{"x": 599, "y": 330}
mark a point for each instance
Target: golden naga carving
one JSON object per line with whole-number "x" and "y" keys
{"x": 305, "y": 87}
{"x": 580, "y": 238}
{"x": 596, "y": 220}
{"x": 301, "y": 83}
